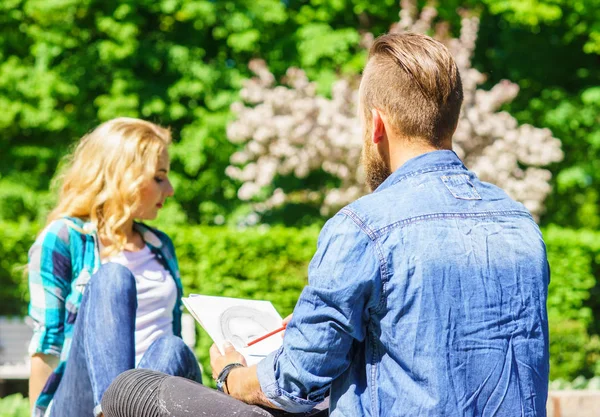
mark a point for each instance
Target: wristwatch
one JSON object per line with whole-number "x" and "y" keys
{"x": 222, "y": 378}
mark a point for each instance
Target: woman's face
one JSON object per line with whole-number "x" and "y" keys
{"x": 155, "y": 191}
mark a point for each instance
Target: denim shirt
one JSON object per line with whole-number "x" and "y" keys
{"x": 425, "y": 298}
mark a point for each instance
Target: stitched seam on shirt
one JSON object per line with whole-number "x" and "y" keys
{"x": 379, "y": 250}
{"x": 430, "y": 169}
{"x": 280, "y": 392}
{"x": 379, "y": 308}
{"x": 294, "y": 399}
{"x": 460, "y": 197}
{"x": 384, "y": 277}
{"x": 380, "y": 305}
{"x": 375, "y": 361}
{"x": 436, "y": 216}
{"x": 359, "y": 222}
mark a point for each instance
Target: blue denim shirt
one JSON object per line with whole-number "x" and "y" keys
{"x": 425, "y": 298}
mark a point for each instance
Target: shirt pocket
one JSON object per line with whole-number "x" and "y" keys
{"x": 461, "y": 187}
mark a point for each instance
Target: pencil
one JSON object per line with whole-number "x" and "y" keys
{"x": 265, "y": 336}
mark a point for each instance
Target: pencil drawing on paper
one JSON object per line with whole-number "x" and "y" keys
{"x": 237, "y": 321}
{"x": 240, "y": 324}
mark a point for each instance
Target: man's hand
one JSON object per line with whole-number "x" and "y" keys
{"x": 219, "y": 361}
{"x": 285, "y": 322}
{"x": 242, "y": 383}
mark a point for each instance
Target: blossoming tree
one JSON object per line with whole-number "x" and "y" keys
{"x": 289, "y": 129}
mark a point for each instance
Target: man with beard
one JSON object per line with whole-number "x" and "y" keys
{"x": 426, "y": 297}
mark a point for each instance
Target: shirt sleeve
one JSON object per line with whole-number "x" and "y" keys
{"x": 49, "y": 271}
{"x": 330, "y": 316}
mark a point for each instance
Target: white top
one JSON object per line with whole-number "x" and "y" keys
{"x": 156, "y": 297}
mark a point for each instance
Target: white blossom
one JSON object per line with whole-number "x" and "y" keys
{"x": 290, "y": 130}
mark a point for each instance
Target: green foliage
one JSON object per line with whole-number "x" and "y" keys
{"x": 66, "y": 66}
{"x": 581, "y": 16}
{"x": 573, "y": 351}
{"x": 574, "y": 258}
{"x": 252, "y": 263}
{"x": 578, "y": 383}
{"x": 271, "y": 263}
{"x": 573, "y": 307}
{"x": 14, "y": 406}
{"x": 523, "y": 41}
{"x": 16, "y": 240}
{"x": 577, "y": 121}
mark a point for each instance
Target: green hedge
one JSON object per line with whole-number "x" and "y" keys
{"x": 573, "y": 303}
{"x": 14, "y": 406}
{"x": 268, "y": 264}
{"x": 15, "y": 240}
{"x": 271, "y": 263}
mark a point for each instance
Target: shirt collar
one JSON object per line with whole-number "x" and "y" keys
{"x": 89, "y": 228}
{"x": 148, "y": 235}
{"x": 427, "y": 162}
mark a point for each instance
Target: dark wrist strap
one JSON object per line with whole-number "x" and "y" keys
{"x": 222, "y": 378}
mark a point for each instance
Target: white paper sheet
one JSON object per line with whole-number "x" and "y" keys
{"x": 238, "y": 321}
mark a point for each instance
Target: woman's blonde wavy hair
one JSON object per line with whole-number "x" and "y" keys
{"x": 101, "y": 180}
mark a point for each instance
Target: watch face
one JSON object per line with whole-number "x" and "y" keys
{"x": 220, "y": 385}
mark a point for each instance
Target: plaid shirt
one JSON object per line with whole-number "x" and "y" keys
{"x": 61, "y": 262}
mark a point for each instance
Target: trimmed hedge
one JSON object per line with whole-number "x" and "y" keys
{"x": 573, "y": 302}
{"x": 14, "y": 406}
{"x": 15, "y": 241}
{"x": 271, "y": 263}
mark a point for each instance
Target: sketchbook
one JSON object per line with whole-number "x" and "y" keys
{"x": 238, "y": 321}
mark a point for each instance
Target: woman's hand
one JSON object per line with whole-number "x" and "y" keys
{"x": 219, "y": 361}
{"x": 41, "y": 369}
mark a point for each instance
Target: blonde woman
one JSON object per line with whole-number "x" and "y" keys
{"x": 105, "y": 289}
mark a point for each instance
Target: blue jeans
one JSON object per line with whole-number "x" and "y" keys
{"x": 104, "y": 346}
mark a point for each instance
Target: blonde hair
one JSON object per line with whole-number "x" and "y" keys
{"x": 101, "y": 180}
{"x": 414, "y": 80}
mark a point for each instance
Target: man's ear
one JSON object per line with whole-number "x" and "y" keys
{"x": 378, "y": 127}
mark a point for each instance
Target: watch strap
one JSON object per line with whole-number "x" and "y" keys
{"x": 221, "y": 380}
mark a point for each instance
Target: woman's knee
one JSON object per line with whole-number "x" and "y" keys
{"x": 171, "y": 355}
{"x": 115, "y": 279}
{"x": 171, "y": 345}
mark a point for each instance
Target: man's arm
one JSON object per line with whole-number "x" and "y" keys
{"x": 331, "y": 315}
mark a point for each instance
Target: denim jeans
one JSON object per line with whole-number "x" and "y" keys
{"x": 147, "y": 393}
{"x": 104, "y": 346}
